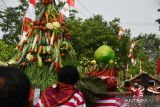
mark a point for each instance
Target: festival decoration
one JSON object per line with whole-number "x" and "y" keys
{"x": 47, "y": 39}
{"x": 71, "y": 3}
{"x": 66, "y": 8}
{"x": 29, "y": 16}
{"x": 133, "y": 60}
{"x": 104, "y": 54}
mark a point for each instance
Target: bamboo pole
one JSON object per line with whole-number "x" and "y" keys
{"x": 127, "y": 72}
{"x": 124, "y": 77}
{"x": 140, "y": 67}
{"x": 131, "y": 71}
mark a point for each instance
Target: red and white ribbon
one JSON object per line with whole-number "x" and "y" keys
{"x": 29, "y": 16}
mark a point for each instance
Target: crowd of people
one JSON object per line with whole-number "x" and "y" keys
{"x": 15, "y": 90}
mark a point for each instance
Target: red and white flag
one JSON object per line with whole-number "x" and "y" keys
{"x": 65, "y": 10}
{"x": 71, "y": 3}
{"x": 133, "y": 60}
{"x": 120, "y": 33}
{"x": 29, "y": 16}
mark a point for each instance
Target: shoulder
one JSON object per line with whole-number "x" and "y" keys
{"x": 48, "y": 91}
{"x": 77, "y": 100}
{"x": 78, "y": 96}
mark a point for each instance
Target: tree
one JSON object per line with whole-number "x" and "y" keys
{"x": 88, "y": 35}
{"x": 6, "y": 51}
{"x": 147, "y": 50}
{"x": 150, "y": 44}
{"x": 11, "y": 22}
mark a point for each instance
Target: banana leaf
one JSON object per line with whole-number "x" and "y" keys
{"x": 90, "y": 87}
{"x": 93, "y": 84}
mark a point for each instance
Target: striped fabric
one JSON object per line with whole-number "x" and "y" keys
{"x": 34, "y": 96}
{"x": 137, "y": 92}
{"x": 138, "y": 95}
{"x": 76, "y": 101}
{"x": 29, "y": 16}
{"x": 110, "y": 102}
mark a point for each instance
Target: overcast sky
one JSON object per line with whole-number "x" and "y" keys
{"x": 138, "y": 15}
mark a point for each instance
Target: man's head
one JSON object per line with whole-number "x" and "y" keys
{"x": 136, "y": 85}
{"x": 127, "y": 85}
{"x": 14, "y": 87}
{"x": 151, "y": 83}
{"x": 68, "y": 75}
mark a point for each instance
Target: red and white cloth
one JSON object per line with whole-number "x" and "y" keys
{"x": 133, "y": 60}
{"x": 137, "y": 92}
{"x": 110, "y": 102}
{"x": 34, "y": 96}
{"x": 65, "y": 9}
{"x": 138, "y": 95}
{"x": 76, "y": 101}
{"x": 29, "y": 16}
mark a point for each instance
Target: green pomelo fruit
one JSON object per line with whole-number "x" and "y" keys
{"x": 104, "y": 54}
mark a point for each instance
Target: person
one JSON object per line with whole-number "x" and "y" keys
{"x": 127, "y": 86}
{"x": 137, "y": 90}
{"x": 64, "y": 94}
{"x": 152, "y": 88}
{"x": 14, "y": 87}
{"x": 138, "y": 94}
{"x": 110, "y": 101}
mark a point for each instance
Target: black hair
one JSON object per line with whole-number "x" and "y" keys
{"x": 14, "y": 87}
{"x": 127, "y": 84}
{"x": 68, "y": 75}
{"x": 151, "y": 83}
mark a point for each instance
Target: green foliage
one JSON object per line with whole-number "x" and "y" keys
{"x": 146, "y": 50}
{"x": 6, "y": 51}
{"x": 40, "y": 77}
{"x": 91, "y": 86}
{"x": 91, "y": 33}
{"x": 12, "y": 26}
{"x": 11, "y": 21}
{"x": 150, "y": 44}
